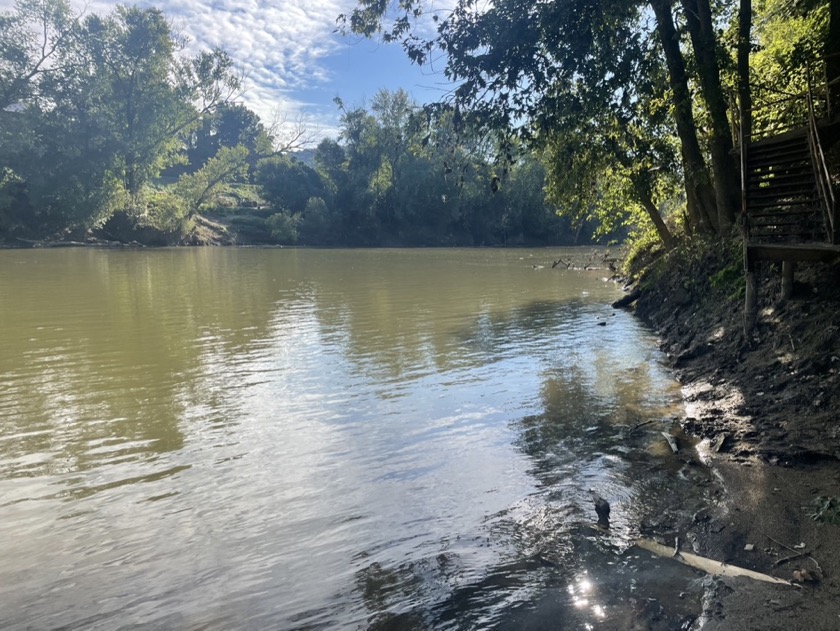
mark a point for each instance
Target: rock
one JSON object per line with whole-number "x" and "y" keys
{"x": 602, "y": 508}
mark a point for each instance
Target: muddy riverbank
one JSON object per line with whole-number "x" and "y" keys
{"x": 765, "y": 406}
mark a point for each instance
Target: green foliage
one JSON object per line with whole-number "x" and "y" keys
{"x": 790, "y": 39}
{"x": 643, "y": 246}
{"x": 403, "y": 178}
{"x": 730, "y": 279}
{"x": 100, "y": 106}
{"x": 230, "y": 125}
{"x": 54, "y": 181}
{"x": 317, "y": 226}
{"x": 627, "y": 96}
{"x": 284, "y": 227}
{"x": 145, "y": 90}
{"x": 287, "y": 183}
{"x": 33, "y": 36}
{"x": 161, "y": 209}
{"x": 199, "y": 189}
{"x": 825, "y": 509}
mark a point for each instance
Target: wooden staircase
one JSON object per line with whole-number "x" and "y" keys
{"x": 789, "y": 208}
{"x": 783, "y": 204}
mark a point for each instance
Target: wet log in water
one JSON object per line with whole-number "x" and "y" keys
{"x": 709, "y": 566}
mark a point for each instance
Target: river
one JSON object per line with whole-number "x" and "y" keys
{"x": 326, "y": 439}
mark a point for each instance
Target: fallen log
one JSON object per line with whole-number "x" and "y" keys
{"x": 710, "y": 566}
{"x": 672, "y": 442}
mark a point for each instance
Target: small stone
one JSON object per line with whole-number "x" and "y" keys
{"x": 749, "y": 547}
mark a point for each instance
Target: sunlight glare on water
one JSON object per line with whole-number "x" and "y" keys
{"x": 305, "y": 439}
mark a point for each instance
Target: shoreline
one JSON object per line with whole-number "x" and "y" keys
{"x": 763, "y": 408}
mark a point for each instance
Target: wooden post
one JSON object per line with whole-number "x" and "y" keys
{"x": 787, "y": 279}
{"x": 750, "y": 293}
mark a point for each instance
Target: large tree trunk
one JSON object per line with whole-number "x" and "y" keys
{"x": 700, "y": 198}
{"x": 744, "y": 92}
{"x": 642, "y": 188}
{"x": 698, "y": 18}
{"x": 744, "y": 96}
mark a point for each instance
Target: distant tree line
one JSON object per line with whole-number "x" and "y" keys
{"x": 91, "y": 109}
{"x": 395, "y": 178}
{"x": 569, "y": 120}
{"x": 106, "y": 125}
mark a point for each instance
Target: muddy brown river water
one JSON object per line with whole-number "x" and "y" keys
{"x": 329, "y": 439}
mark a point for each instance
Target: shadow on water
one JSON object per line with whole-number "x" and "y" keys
{"x": 555, "y": 570}
{"x": 317, "y": 440}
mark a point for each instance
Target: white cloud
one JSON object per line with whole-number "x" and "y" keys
{"x": 280, "y": 45}
{"x": 284, "y": 47}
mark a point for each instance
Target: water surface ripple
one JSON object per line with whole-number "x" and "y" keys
{"x": 304, "y": 439}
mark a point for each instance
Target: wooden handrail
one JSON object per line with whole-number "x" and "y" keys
{"x": 821, "y": 171}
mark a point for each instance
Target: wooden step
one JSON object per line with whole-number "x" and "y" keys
{"x": 779, "y": 193}
{"x": 793, "y": 252}
{"x": 784, "y": 213}
{"x": 779, "y": 167}
{"x": 792, "y": 186}
{"x": 802, "y": 168}
{"x": 781, "y": 179}
{"x": 780, "y": 236}
{"x": 792, "y": 151}
{"x": 782, "y": 209}
{"x": 772, "y": 144}
{"x": 787, "y": 137}
{"x": 788, "y": 188}
{"x": 804, "y": 220}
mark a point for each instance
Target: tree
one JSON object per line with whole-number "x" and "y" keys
{"x": 93, "y": 108}
{"x": 832, "y": 56}
{"x": 318, "y": 226}
{"x": 229, "y": 125}
{"x": 515, "y": 59}
{"x": 146, "y": 93}
{"x": 700, "y": 201}
{"x": 58, "y": 176}
{"x": 197, "y": 189}
{"x": 287, "y": 183}
{"x": 33, "y": 36}
{"x": 698, "y": 18}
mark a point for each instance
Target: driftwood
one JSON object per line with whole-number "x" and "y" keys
{"x": 710, "y": 566}
{"x": 642, "y": 424}
{"x": 672, "y": 442}
{"x": 100, "y": 243}
{"x": 797, "y": 554}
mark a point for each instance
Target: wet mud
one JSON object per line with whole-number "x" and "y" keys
{"x": 764, "y": 406}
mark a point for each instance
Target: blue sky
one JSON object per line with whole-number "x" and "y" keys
{"x": 294, "y": 62}
{"x": 293, "y": 59}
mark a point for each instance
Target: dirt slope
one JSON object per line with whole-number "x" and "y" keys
{"x": 771, "y": 402}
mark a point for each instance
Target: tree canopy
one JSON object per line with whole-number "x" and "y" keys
{"x": 604, "y": 84}
{"x": 93, "y": 108}
{"x": 612, "y": 114}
